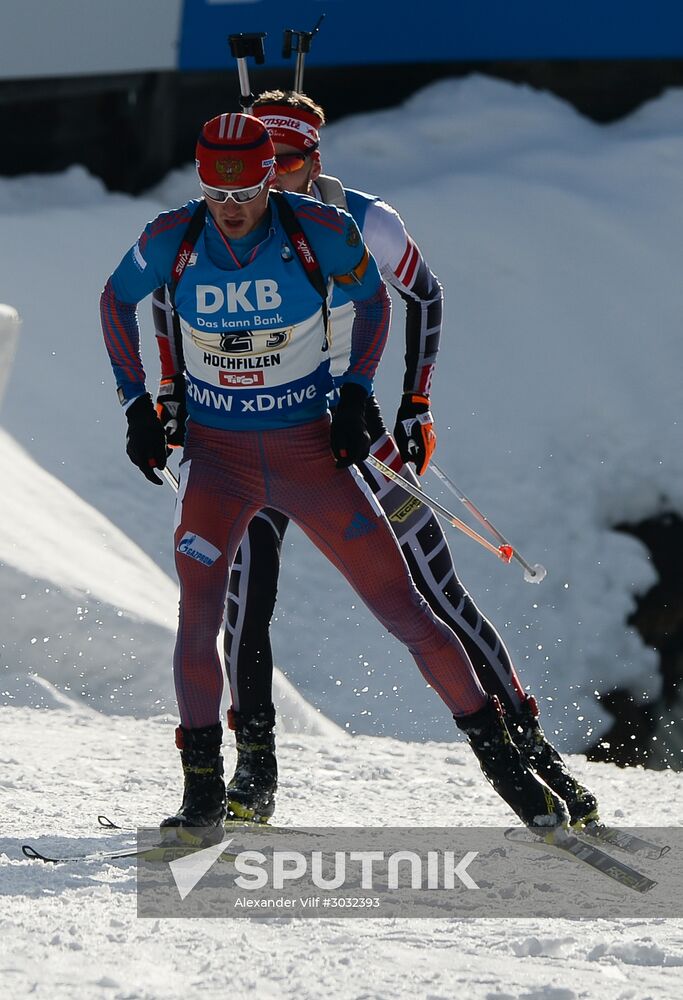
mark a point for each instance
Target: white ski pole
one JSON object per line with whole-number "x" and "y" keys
{"x": 242, "y": 46}
{"x": 532, "y": 574}
{"x": 503, "y": 552}
{"x": 170, "y": 478}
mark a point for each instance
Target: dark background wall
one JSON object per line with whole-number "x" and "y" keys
{"x": 131, "y": 129}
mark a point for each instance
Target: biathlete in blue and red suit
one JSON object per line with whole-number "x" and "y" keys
{"x": 262, "y": 438}
{"x": 294, "y": 122}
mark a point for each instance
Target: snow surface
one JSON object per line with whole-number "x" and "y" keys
{"x": 72, "y": 931}
{"x": 557, "y": 241}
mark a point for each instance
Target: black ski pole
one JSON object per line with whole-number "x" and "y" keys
{"x": 299, "y": 42}
{"x": 243, "y": 46}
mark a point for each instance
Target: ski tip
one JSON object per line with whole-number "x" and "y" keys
{"x": 638, "y": 882}
{"x": 107, "y": 823}
{"x": 32, "y": 854}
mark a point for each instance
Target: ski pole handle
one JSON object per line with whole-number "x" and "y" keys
{"x": 299, "y": 42}
{"x": 503, "y": 552}
{"x": 532, "y": 574}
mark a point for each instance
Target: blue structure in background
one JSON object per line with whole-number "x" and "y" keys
{"x": 383, "y": 31}
{"x": 131, "y": 126}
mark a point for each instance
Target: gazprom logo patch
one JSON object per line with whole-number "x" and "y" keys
{"x": 198, "y": 548}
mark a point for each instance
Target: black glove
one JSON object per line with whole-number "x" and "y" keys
{"x": 171, "y": 409}
{"x": 349, "y": 436}
{"x": 146, "y": 440}
{"x": 414, "y": 431}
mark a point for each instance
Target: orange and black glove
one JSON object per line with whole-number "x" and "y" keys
{"x": 171, "y": 408}
{"x": 414, "y": 431}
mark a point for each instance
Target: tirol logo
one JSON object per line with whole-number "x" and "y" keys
{"x": 247, "y": 379}
{"x": 198, "y": 548}
{"x": 229, "y": 169}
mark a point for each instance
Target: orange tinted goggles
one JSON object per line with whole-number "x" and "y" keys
{"x": 289, "y": 163}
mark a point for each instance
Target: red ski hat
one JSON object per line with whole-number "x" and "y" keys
{"x": 234, "y": 150}
{"x": 291, "y": 126}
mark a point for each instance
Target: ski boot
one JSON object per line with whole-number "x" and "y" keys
{"x": 536, "y": 805}
{"x": 251, "y": 790}
{"x": 533, "y": 744}
{"x": 199, "y": 821}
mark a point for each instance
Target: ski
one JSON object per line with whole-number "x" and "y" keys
{"x": 241, "y": 825}
{"x": 572, "y": 846}
{"x": 33, "y": 854}
{"x": 160, "y": 853}
{"x": 594, "y": 831}
{"x": 229, "y": 824}
{"x": 622, "y": 839}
